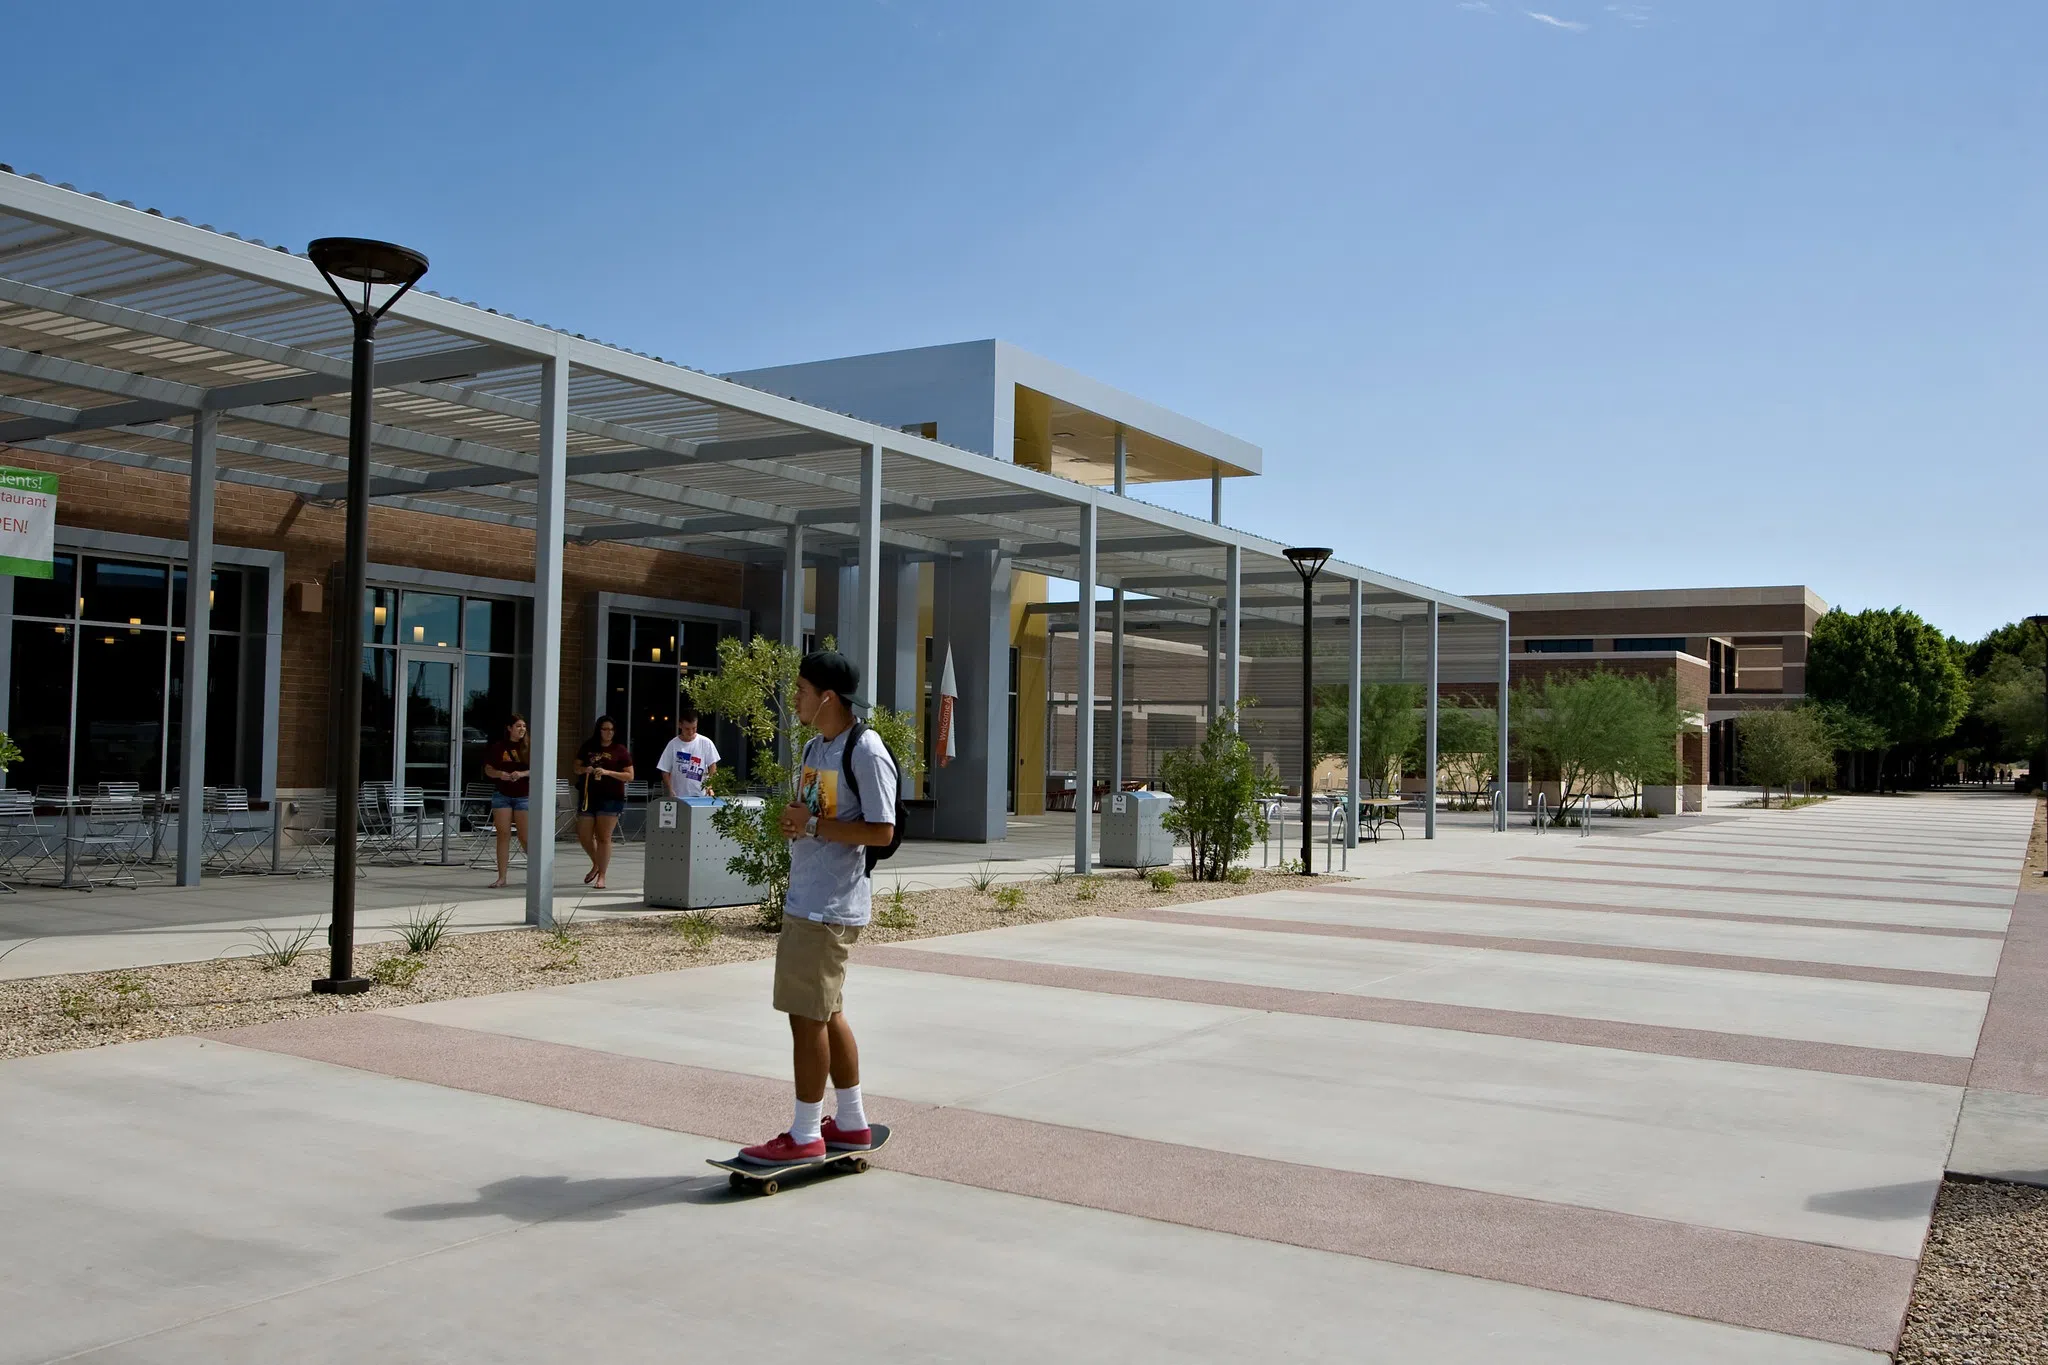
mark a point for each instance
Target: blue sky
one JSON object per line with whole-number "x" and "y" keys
{"x": 1516, "y": 298}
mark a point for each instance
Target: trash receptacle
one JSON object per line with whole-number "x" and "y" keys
{"x": 1134, "y": 833}
{"x": 686, "y": 857}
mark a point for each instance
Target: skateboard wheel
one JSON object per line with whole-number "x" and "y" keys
{"x": 858, "y": 1164}
{"x": 770, "y": 1186}
{"x": 736, "y": 1181}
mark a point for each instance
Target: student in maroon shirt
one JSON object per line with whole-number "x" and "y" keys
{"x": 509, "y": 766}
{"x": 603, "y": 768}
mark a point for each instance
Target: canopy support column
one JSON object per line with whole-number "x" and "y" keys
{"x": 1116, "y": 652}
{"x": 1084, "y": 699}
{"x": 793, "y": 589}
{"x": 1215, "y": 662}
{"x": 1500, "y": 806}
{"x": 1232, "y": 609}
{"x": 1353, "y": 713}
{"x": 544, "y": 719}
{"x": 198, "y": 625}
{"x": 1429, "y": 729}
{"x": 866, "y": 609}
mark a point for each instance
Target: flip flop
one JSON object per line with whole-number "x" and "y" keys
{"x": 589, "y": 876}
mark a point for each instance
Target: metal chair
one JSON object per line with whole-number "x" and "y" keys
{"x": 114, "y": 843}
{"x": 480, "y": 832}
{"x": 231, "y": 843}
{"x": 24, "y": 841}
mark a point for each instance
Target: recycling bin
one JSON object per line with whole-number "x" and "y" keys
{"x": 686, "y": 857}
{"x": 1134, "y": 832}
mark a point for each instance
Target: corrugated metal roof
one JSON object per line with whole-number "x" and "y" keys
{"x": 116, "y": 324}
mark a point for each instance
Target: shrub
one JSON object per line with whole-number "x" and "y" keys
{"x": 397, "y": 971}
{"x": 1216, "y": 790}
{"x": 983, "y": 878}
{"x": 561, "y": 943}
{"x": 423, "y": 929}
{"x": 697, "y": 929}
{"x": 277, "y": 950}
{"x": 896, "y": 914}
{"x": 77, "y": 1005}
{"x": 131, "y": 993}
{"x": 1161, "y": 879}
{"x": 1239, "y": 875}
{"x": 1087, "y": 888}
{"x": 1009, "y": 899}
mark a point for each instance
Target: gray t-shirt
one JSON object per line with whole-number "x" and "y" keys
{"x": 829, "y": 882}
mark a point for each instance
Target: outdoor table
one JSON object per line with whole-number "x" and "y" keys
{"x": 69, "y": 805}
{"x": 1373, "y": 812}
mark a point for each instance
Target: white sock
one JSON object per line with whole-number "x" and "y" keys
{"x": 804, "y": 1127}
{"x": 851, "y": 1117}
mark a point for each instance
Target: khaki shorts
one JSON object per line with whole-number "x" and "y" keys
{"x": 810, "y": 966}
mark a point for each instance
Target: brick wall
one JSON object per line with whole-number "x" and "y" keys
{"x": 144, "y": 503}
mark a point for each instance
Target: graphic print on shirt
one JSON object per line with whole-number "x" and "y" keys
{"x": 819, "y": 792}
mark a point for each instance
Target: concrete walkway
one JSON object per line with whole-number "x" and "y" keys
{"x": 1677, "y": 1095}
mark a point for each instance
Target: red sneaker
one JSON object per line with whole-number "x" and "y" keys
{"x": 846, "y": 1139}
{"x": 783, "y": 1149}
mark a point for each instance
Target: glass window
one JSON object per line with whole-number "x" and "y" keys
{"x": 429, "y": 618}
{"x": 121, "y": 707}
{"x": 619, "y": 637}
{"x": 380, "y": 616}
{"x": 39, "y": 704}
{"x": 654, "y": 640}
{"x": 651, "y": 724}
{"x": 700, "y": 645}
{"x": 1648, "y": 646}
{"x": 490, "y": 626}
{"x": 490, "y": 699}
{"x": 226, "y": 606}
{"x": 55, "y": 596}
{"x": 380, "y": 719}
{"x": 223, "y": 713}
{"x": 125, "y": 593}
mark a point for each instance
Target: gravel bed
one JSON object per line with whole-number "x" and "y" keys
{"x": 53, "y": 1013}
{"x": 1982, "y": 1292}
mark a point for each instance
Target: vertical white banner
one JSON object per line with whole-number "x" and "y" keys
{"x": 28, "y": 522}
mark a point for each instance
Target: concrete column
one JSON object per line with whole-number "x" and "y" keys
{"x": 793, "y": 588}
{"x": 971, "y": 614}
{"x": 544, "y": 716}
{"x": 1084, "y": 698}
{"x": 1116, "y": 692}
{"x": 1429, "y": 730}
{"x": 826, "y": 618}
{"x": 1354, "y": 711}
{"x": 1215, "y": 661}
{"x": 1500, "y": 815}
{"x": 1233, "y": 608}
{"x": 198, "y": 621}
{"x": 896, "y": 687}
{"x": 866, "y": 609}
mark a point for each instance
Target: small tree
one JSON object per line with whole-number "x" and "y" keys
{"x": 755, "y": 689}
{"x": 1389, "y": 723}
{"x": 1216, "y": 789}
{"x": 1468, "y": 745}
{"x": 1779, "y": 748}
{"x": 1597, "y": 727}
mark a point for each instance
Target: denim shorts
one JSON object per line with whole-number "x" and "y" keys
{"x": 500, "y": 801}
{"x": 603, "y": 808}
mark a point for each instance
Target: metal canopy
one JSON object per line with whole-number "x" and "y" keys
{"x": 118, "y": 326}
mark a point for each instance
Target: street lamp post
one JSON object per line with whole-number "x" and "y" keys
{"x": 367, "y": 263}
{"x": 1308, "y": 562}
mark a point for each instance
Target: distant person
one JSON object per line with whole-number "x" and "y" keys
{"x": 830, "y": 827}
{"x": 603, "y": 768}
{"x": 510, "y": 766}
{"x": 690, "y": 758}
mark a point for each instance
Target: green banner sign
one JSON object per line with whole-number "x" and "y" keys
{"x": 28, "y": 522}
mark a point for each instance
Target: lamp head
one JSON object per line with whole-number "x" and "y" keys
{"x": 363, "y": 261}
{"x": 1308, "y": 560}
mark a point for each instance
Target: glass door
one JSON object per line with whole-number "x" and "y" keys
{"x": 426, "y": 748}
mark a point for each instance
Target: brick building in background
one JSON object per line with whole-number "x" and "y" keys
{"x": 1730, "y": 649}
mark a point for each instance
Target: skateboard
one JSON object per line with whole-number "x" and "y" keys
{"x": 766, "y": 1178}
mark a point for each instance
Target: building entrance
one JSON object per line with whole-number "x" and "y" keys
{"x": 425, "y": 752}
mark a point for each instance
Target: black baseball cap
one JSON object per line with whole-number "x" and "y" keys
{"x": 830, "y": 671}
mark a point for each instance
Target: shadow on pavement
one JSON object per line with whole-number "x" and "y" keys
{"x": 536, "y": 1198}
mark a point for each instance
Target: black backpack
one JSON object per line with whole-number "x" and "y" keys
{"x": 874, "y": 853}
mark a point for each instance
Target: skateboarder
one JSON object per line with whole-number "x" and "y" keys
{"x": 829, "y": 827}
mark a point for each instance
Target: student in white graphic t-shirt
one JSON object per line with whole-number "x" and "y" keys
{"x": 690, "y": 758}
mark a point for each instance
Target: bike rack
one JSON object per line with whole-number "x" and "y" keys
{"x": 1586, "y": 819}
{"x": 1330, "y": 839}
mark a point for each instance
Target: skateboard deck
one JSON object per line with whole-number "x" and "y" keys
{"x": 767, "y": 1178}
